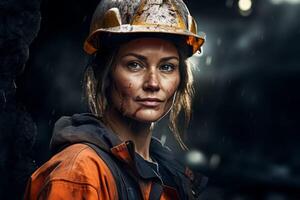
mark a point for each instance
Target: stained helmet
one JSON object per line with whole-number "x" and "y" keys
{"x": 116, "y": 17}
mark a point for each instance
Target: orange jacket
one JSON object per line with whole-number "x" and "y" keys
{"x": 78, "y": 172}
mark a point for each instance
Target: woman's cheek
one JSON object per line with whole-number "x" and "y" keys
{"x": 119, "y": 96}
{"x": 126, "y": 93}
{"x": 173, "y": 86}
{"x": 171, "y": 94}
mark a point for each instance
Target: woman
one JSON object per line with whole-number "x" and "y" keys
{"x": 137, "y": 75}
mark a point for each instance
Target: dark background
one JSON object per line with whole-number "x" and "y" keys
{"x": 245, "y": 129}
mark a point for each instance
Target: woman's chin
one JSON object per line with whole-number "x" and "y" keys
{"x": 148, "y": 116}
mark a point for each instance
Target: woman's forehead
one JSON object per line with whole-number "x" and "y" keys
{"x": 149, "y": 45}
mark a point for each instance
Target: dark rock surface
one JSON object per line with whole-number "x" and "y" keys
{"x": 19, "y": 25}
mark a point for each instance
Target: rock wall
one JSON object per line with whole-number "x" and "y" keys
{"x": 19, "y": 25}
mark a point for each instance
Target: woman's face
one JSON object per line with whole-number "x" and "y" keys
{"x": 145, "y": 79}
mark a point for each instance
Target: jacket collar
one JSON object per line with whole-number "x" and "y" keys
{"x": 86, "y": 128}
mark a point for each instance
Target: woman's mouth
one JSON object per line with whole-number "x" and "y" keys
{"x": 149, "y": 102}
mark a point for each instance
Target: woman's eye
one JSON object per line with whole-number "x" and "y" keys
{"x": 135, "y": 66}
{"x": 167, "y": 67}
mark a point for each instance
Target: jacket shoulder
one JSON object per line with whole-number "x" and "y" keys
{"x": 76, "y": 167}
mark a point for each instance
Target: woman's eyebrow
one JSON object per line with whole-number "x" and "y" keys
{"x": 135, "y": 55}
{"x": 169, "y": 58}
{"x": 144, "y": 58}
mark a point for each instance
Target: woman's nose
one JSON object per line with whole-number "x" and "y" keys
{"x": 151, "y": 82}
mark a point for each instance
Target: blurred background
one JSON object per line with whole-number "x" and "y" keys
{"x": 244, "y": 133}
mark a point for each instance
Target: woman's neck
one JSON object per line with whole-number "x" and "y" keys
{"x": 128, "y": 129}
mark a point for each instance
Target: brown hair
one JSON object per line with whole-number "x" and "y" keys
{"x": 97, "y": 79}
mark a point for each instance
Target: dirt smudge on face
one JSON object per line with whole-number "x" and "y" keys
{"x": 129, "y": 85}
{"x": 122, "y": 97}
{"x": 136, "y": 111}
{"x": 122, "y": 108}
{"x": 121, "y": 91}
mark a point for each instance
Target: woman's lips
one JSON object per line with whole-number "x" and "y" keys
{"x": 150, "y": 102}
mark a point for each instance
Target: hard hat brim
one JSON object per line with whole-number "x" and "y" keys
{"x": 93, "y": 42}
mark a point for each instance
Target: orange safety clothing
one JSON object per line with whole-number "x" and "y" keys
{"x": 76, "y": 171}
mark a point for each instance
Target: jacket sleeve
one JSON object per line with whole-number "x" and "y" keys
{"x": 57, "y": 190}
